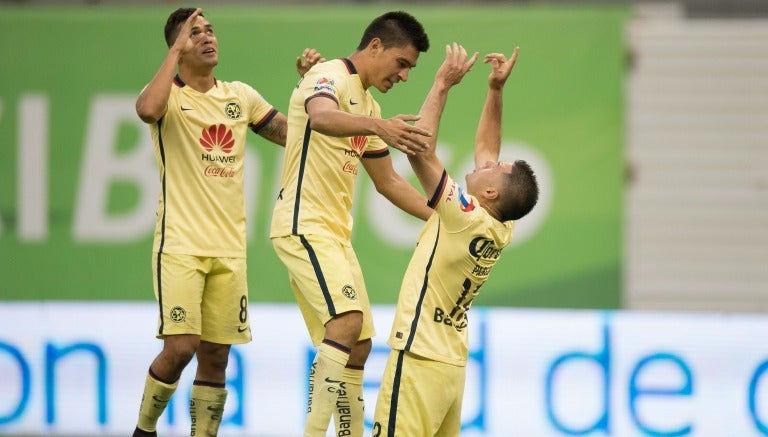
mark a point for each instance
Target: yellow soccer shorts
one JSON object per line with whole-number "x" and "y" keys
{"x": 326, "y": 279}
{"x": 203, "y": 296}
{"x": 419, "y": 397}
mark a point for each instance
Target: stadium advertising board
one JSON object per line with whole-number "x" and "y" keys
{"x": 544, "y": 373}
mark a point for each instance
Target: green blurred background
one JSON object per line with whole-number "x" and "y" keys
{"x": 563, "y": 106}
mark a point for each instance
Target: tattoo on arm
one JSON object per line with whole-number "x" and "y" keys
{"x": 275, "y": 131}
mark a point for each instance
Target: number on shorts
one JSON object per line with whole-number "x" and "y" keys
{"x": 243, "y": 309}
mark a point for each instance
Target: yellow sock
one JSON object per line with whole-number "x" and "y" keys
{"x": 153, "y": 401}
{"x": 206, "y": 406}
{"x": 324, "y": 382}
{"x": 349, "y": 414}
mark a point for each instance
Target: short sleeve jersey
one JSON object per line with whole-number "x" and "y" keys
{"x": 319, "y": 172}
{"x": 199, "y": 146}
{"x": 457, "y": 248}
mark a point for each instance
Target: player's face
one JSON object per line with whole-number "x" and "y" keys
{"x": 487, "y": 175}
{"x": 393, "y": 65}
{"x": 206, "y": 46}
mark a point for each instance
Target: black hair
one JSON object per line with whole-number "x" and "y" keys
{"x": 520, "y": 192}
{"x": 396, "y": 29}
{"x": 175, "y": 20}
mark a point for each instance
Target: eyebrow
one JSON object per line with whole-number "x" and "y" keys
{"x": 205, "y": 26}
{"x": 404, "y": 60}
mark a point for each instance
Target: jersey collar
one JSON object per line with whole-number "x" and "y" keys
{"x": 350, "y": 66}
{"x": 180, "y": 83}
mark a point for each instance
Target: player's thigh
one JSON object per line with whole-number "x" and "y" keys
{"x": 417, "y": 397}
{"x": 179, "y": 281}
{"x": 322, "y": 276}
{"x": 225, "y": 302}
{"x": 456, "y": 377}
{"x": 368, "y": 331}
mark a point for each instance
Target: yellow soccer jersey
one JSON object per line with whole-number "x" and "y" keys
{"x": 456, "y": 250}
{"x": 319, "y": 172}
{"x": 200, "y": 148}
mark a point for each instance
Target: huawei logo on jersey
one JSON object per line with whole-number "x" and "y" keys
{"x": 358, "y": 143}
{"x": 217, "y": 135}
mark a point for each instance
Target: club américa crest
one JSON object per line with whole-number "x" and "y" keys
{"x": 349, "y": 292}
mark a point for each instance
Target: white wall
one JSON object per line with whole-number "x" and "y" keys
{"x": 697, "y": 151}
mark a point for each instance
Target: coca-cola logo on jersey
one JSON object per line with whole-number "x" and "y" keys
{"x": 222, "y": 172}
{"x": 349, "y": 167}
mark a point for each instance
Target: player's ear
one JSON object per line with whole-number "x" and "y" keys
{"x": 490, "y": 193}
{"x": 375, "y": 45}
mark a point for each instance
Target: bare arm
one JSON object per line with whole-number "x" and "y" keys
{"x": 427, "y": 165}
{"x": 152, "y": 103}
{"x": 488, "y": 136}
{"x": 326, "y": 117}
{"x": 396, "y": 189}
{"x": 275, "y": 130}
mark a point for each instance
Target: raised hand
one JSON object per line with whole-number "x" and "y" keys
{"x": 184, "y": 41}
{"x": 455, "y": 65}
{"x": 501, "y": 67}
{"x": 307, "y": 60}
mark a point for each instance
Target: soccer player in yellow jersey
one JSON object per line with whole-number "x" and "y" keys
{"x": 199, "y": 124}
{"x": 423, "y": 383}
{"x": 334, "y": 125}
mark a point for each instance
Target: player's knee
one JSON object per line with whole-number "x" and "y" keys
{"x": 345, "y": 328}
{"x": 213, "y": 357}
{"x": 360, "y": 352}
{"x": 181, "y": 348}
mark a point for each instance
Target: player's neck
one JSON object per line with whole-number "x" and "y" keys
{"x": 362, "y": 66}
{"x": 491, "y": 208}
{"x": 199, "y": 80}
